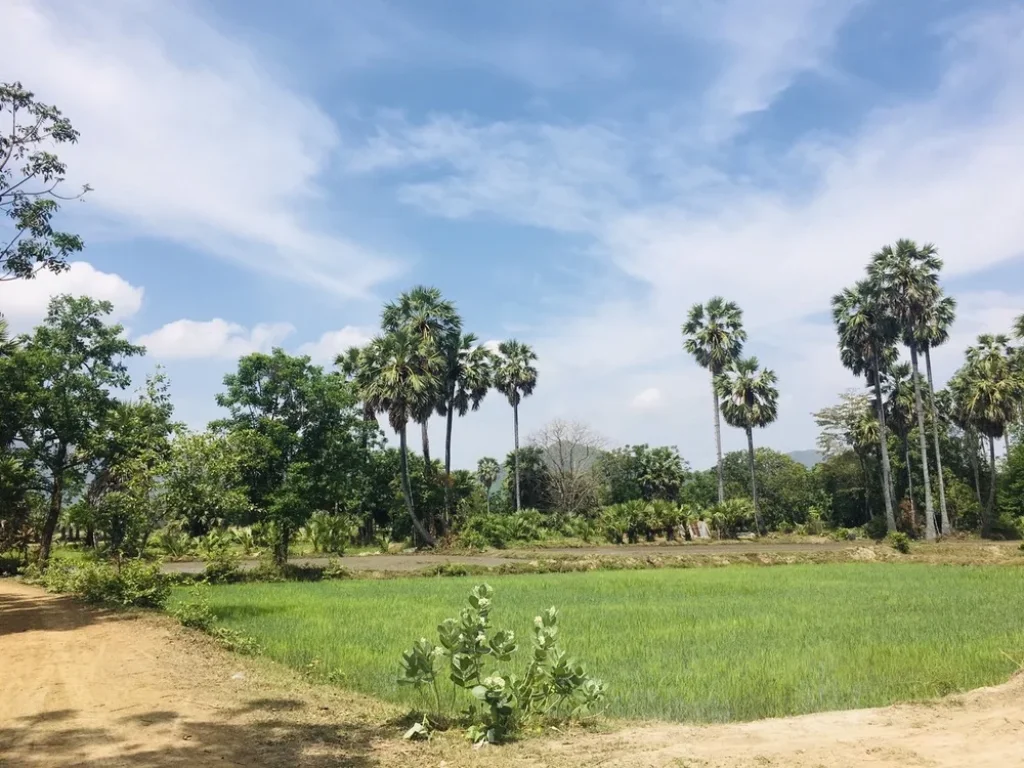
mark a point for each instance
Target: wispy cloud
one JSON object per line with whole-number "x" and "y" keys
{"x": 186, "y": 136}
{"x": 325, "y": 349}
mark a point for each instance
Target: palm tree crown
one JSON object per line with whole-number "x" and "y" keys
{"x": 515, "y": 375}
{"x": 749, "y": 396}
{"x": 469, "y": 374}
{"x": 714, "y": 334}
{"x": 398, "y": 374}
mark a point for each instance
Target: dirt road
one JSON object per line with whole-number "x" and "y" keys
{"x": 81, "y": 687}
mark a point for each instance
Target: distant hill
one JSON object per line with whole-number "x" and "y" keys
{"x": 807, "y": 458}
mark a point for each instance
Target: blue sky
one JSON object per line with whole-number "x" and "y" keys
{"x": 575, "y": 174}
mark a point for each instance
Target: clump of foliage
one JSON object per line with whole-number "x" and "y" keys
{"x": 731, "y": 517}
{"x": 131, "y": 583}
{"x": 900, "y": 542}
{"x": 195, "y": 612}
{"x": 330, "y": 534}
{"x": 501, "y": 703}
{"x": 498, "y": 531}
{"x": 222, "y": 562}
{"x": 173, "y": 542}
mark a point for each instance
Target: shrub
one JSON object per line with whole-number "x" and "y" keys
{"x": 330, "y": 534}
{"x": 131, "y": 583}
{"x": 731, "y": 516}
{"x": 553, "y": 685}
{"x": 172, "y": 541}
{"x": 196, "y": 612}
{"x": 221, "y": 562}
{"x": 246, "y": 541}
{"x": 900, "y": 542}
{"x": 875, "y": 528}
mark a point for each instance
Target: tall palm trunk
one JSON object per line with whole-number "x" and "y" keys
{"x": 515, "y": 456}
{"x": 883, "y": 445}
{"x": 448, "y": 468}
{"x": 929, "y": 509}
{"x": 910, "y": 482}
{"x": 403, "y": 458}
{"x": 973, "y": 436}
{"x": 986, "y": 521}
{"x": 1006, "y": 442}
{"x": 947, "y": 529}
{"x": 718, "y": 442}
{"x": 866, "y": 479}
{"x": 425, "y": 438}
{"x": 753, "y": 481}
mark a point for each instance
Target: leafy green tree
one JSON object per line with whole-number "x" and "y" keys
{"x": 643, "y": 472}
{"x": 867, "y": 334}
{"x": 30, "y": 177}
{"x": 399, "y": 377}
{"x": 749, "y": 399}
{"x": 515, "y": 377}
{"x": 75, "y": 362}
{"x": 714, "y": 335}
{"x": 850, "y": 426}
{"x": 302, "y": 436}
{"x": 933, "y": 331}
{"x": 534, "y": 482}
{"x": 129, "y": 454}
{"x": 487, "y": 471}
{"x": 785, "y": 487}
{"x": 203, "y": 484}
{"x": 907, "y": 276}
{"x": 467, "y": 380}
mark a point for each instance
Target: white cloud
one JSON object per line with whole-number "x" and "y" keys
{"x": 647, "y": 400}
{"x": 324, "y": 350}
{"x": 24, "y": 302}
{"x": 217, "y": 338}
{"x": 185, "y": 136}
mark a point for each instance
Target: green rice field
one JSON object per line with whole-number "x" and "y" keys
{"x": 735, "y": 643}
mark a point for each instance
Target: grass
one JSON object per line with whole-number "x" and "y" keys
{"x": 698, "y": 645}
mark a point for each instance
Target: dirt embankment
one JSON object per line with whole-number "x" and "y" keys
{"x": 81, "y": 687}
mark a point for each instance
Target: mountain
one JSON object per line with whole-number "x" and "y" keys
{"x": 808, "y": 458}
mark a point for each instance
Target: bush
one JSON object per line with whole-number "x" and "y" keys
{"x": 131, "y": 583}
{"x": 552, "y": 686}
{"x": 900, "y": 542}
{"x": 330, "y": 534}
{"x": 196, "y": 612}
{"x": 731, "y": 516}
{"x": 221, "y": 563}
{"x": 172, "y": 541}
{"x": 875, "y": 528}
{"x": 498, "y": 531}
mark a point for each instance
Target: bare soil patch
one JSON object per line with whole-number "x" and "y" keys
{"x": 98, "y": 689}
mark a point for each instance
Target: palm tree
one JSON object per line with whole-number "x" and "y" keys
{"x": 989, "y": 391}
{"x": 425, "y": 312}
{"x": 933, "y": 332}
{"x": 866, "y": 337}
{"x": 487, "y": 471}
{"x": 714, "y": 335}
{"x": 907, "y": 276}
{"x": 1018, "y": 327}
{"x": 397, "y": 375}
{"x": 468, "y": 374}
{"x": 749, "y": 399}
{"x": 515, "y": 377}
{"x": 951, "y": 409}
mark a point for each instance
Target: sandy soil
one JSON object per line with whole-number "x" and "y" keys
{"x": 82, "y": 687}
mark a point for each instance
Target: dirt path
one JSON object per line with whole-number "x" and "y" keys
{"x": 81, "y": 687}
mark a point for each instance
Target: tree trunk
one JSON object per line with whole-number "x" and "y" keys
{"x": 864, "y": 477}
{"x": 718, "y": 442}
{"x": 282, "y": 544}
{"x": 974, "y": 463}
{"x": 929, "y": 509}
{"x": 53, "y": 513}
{"x": 910, "y": 484}
{"x": 448, "y": 511}
{"x": 425, "y": 438}
{"x": 986, "y": 522}
{"x": 753, "y": 481}
{"x": 947, "y": 528}
{"x": 403, "y": 458}
{"x": 1006, "y": 442}
{"x": 515, "y": 456}
{"x": 883, "y": 445}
